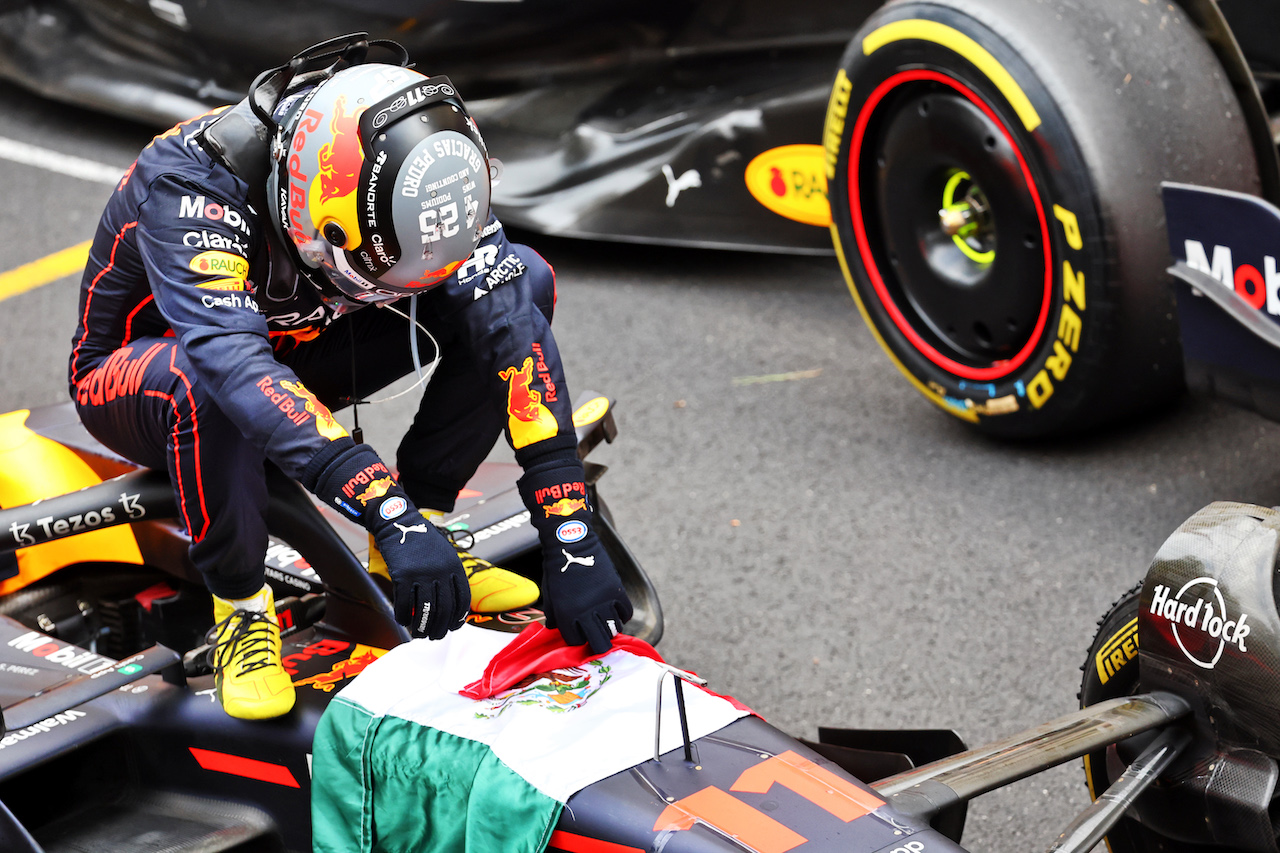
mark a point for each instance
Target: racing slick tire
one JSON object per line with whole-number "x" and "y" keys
{"x": 1110, "y": 672}
{"x": 994, "y": 172}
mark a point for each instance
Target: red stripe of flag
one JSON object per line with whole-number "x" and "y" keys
{"x": 250, "y": 768}
{"x": 561, "y": 840}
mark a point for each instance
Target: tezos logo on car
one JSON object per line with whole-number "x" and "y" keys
{"x": 1198, "y": 607}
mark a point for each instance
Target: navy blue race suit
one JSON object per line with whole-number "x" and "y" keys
{"x": 199, "y": 350}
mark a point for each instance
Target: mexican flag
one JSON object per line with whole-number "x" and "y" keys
{"x": 475, "y": 742}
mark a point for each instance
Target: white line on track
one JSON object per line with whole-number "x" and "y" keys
{"x": 64, "y": 164}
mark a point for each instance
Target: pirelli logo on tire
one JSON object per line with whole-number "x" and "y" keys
{"x": 833, "y": 128}
{"x": 1117, "y": 651}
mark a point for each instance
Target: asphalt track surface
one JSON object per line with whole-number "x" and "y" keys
{"x": 829, "y": 548}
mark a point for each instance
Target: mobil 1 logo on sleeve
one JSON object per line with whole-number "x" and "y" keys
{"x": 1201, "y": 624}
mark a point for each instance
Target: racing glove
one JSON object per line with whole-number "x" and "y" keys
{"x": 582, "y": 593}
{"x": 429, "y": 587}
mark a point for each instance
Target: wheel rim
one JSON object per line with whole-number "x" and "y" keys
{"x": 950, "y": 225}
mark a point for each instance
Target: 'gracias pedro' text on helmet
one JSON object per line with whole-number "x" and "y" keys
{"x": 381, "y": 182}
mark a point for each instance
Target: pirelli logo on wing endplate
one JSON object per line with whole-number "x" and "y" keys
{"x": 1117, "y": 651}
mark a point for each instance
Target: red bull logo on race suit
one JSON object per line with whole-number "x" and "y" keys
{"x": 326, "y": 424}
{"x": 528, "y": 420}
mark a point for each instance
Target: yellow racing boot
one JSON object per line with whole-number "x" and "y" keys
{"x": 493, "y": 589}
{"x": 251, "y": 681}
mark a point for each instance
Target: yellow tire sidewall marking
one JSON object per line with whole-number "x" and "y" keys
{"x": 966, "y": 47}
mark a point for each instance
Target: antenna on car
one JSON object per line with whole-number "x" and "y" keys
{"x": 679, "y": 676}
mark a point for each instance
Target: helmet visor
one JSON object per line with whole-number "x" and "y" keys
{"x": 354, "y": 289}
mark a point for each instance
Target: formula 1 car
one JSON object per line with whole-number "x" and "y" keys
{"x": 992, "y": 165}
{"x": 106, "y": 697}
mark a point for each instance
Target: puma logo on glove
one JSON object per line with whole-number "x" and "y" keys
{"x": 405, "y": 531}
{"x": 589, "y": 560}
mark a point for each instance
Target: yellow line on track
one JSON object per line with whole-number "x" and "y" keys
{"x": 49, "y": 268}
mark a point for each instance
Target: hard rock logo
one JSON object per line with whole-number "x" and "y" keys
{"x": 1201, "y": 624}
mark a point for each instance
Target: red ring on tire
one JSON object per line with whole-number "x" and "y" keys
{"x": 999, "y": 369}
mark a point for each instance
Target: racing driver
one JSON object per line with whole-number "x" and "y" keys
{"x": 260, "y": 265}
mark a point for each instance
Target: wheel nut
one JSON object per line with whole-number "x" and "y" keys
{"x": 953, "y": 219}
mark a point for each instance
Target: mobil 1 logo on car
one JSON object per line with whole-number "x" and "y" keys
{"x": 1230, "y": 237}
{"x": 1201, "y": 622}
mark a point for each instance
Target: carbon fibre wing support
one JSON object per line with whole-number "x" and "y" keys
{"x": 926, "y": 790}
{"x": 1096, "y": 820}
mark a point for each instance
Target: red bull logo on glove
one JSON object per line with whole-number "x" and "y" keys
{"x": 364, "y": 478}
{"x": 563, "y": 507}
{"x": 377, "y": 489}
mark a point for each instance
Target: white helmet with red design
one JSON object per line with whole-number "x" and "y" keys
{"x": 380, "y": 181}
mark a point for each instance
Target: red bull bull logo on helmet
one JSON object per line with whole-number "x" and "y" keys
{"x": 332, "y": 195}
{"x": 321, "y": 168}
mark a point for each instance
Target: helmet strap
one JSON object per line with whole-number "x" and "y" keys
{"x": 357, "y": 434}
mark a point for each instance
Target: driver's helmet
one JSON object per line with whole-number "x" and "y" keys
{"x": 381, "y": 182}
